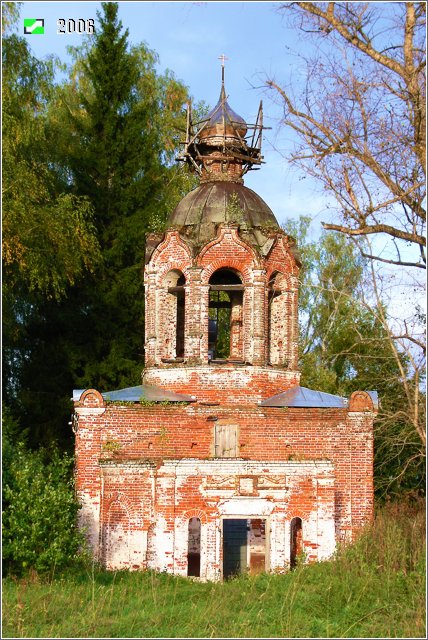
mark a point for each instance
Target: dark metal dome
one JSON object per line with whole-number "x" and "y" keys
{"x": 200, "y": 212}
{"x": 223, "y": 121}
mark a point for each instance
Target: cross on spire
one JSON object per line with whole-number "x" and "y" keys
{"x": 223, "y": 59}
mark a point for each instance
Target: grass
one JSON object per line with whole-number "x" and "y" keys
{"x": 375, "y": 588}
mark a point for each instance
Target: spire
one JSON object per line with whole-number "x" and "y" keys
{"x": 223, "y": 58}
{"x": 218, "y": 150}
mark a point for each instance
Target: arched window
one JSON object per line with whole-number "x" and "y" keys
{"x": 194, "y": 548}
{"x": 296, "y": 542}
{"x": 278, "y": 319}
{"x": 174, "y": 315}
{"x": 225, "y": 324}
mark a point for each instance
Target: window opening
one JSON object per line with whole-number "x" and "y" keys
{"x": 225, "y": 315}
{"x": 296, "y": 541}
{"x": 179, "y": 338}
{"x": 194, "y": 548}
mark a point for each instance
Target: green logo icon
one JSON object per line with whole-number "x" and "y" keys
{"x": 34, "y": 25}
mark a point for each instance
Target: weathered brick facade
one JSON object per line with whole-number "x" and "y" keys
{"x": 210, "y": 466}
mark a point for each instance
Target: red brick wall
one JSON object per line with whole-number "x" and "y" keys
{"x": 156, "y": 433}
{"x": 226, "y": 250}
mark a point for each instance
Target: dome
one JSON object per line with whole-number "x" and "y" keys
{"x": 199, "y": 213}
{"x": 223, "y": 121}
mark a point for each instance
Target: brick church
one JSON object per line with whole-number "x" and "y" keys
{"x": 220, "y": 462}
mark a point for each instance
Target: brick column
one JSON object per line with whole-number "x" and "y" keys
{"x": 294, "y": 325}
{"x": 150, "y": 316}
{"x": 259, "y": 334}
{"x": 194, "y": 316}
{"x": 204, "y": 315}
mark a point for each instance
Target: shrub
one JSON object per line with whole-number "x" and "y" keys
{"x": 39, "y": 517}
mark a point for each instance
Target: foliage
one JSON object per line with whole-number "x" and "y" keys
{"x": 39, "y": 508}
{"x": 108, "y": 135}
{"x": 338, "y": 333}
{"x": 48, "y": 234}
{"x": 374, "y": 589}
{"x": 346, "y": 345}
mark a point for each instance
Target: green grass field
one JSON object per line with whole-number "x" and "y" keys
{"x": 374, "y": 589}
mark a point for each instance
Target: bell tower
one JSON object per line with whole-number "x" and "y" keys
{"x": 221, "y": 282}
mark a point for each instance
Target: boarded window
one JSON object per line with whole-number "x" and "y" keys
{"x": 278, "y": 320}
{"x": 226, "y": 440}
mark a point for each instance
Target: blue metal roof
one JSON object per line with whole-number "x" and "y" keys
{"x": 142, "y": 392}
{"x": 375, "y": 398}
{"x": 303, "y": 397}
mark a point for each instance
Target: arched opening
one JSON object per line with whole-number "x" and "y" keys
{"x": 116, "y": 537}
{"x": 296, "y": 541}
{"x": 225, "y": 320}
{"x": 194, "y": 548}
{"x": 277, "y": 319}
{"x": 174, "y": 315}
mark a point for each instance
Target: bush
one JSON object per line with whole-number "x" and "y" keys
{"x": 39, "y": 511}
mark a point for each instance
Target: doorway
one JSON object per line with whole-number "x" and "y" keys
{"x": 244, "y": 546}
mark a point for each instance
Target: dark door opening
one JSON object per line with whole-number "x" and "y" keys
{"x": 194, "y": 548}
{"x": 244, "y": 546}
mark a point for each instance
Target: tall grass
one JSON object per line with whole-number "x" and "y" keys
{"x": 376, "y": 588}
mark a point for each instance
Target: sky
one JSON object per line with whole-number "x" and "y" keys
{"x": 189, "y": 38}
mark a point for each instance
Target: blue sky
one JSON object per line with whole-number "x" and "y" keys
{"x": 189, "y": 37}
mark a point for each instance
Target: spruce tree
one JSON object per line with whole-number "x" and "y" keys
{"x": 113, "y": 135}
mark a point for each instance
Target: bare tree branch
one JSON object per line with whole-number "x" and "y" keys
{"x": 360, "y": 121}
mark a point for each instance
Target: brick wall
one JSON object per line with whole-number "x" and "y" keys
{"x": 143, "y": 471}
{"x": 125, "y": 455}
{"x": 172, "y": 255}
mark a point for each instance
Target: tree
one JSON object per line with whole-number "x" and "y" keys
{"x": 346, "y": 345}
{"x": 360, "y": 123}
{"x": 111, "y": 138}
{"x": 361, "y": 119}
{"x": 48, "y": 234}
{"x": 116, "y": 125}
{"x": 48, "y": 238}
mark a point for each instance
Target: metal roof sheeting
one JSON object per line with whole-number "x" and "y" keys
{"x": 375, "y": 398}
{"x": 303, "y": 397}
{"x": 142, "y": 392}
